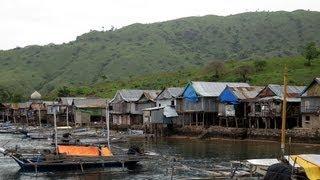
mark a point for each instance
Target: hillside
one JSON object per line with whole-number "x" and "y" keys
{"x": 272, "y": 72}
{"x": 140, "y": 49}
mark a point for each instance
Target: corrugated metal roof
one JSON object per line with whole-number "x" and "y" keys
{"x": 170, "y": 112}
{"x": 37, "y": 106}
{"x": 24, "y": 105}
{"x": 130, "y": 95}
{"x": 292, "y": 91}
{"x": 271, "y": 98}
{"x": 175, "y": 91}
{"x": 151, "y": 94}
{"x": 246, "y": 92}
{"x": 49, "y": 103}
{"x": 171, "y": 92}
{"x": 315, "y": 80}
{"x": 90, "y": 103}
{"x": 213, "y": 89}
{"x": 68, "y": 100}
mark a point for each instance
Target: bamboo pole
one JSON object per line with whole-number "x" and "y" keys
{"x": 39, "y": 114}
{"x": 67, "y": 116}
{"x": 107, "y": 122}
{"x": 55, "y": 129}
{"x": 284, "y": 111}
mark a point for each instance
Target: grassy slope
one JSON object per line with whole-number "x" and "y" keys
{"x": 142, "y": 49}
{"x": 272, "y": 73}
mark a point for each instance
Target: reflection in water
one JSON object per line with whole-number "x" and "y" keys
{"x": 204, "y": 154}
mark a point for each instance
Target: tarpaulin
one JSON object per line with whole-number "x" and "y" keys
{"x": 91, "y": 151}
{"x": 228, "y": 97}
{"x": 310, "y": 163}
{"x": 190, "y": 94}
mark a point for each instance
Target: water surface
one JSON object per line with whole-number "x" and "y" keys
{"x": 191, "y": 155}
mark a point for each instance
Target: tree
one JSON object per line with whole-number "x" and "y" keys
{"x": 64, "y": 92}
{"x": 244, "y": 71}
{"x": 259, "y": 65}
{"x": 310, "y": 52}
{"x": 216, "y": 68}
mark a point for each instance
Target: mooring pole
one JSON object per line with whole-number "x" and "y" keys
{"x": 284, "y": 112}
{"x": 55, "y": 128}
{"x": 39, "y": 114}
{"x": 107, "y": 122}
{"x": 67, "y": 115}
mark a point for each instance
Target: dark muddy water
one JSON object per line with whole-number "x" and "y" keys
{"x": 198, "y": 154}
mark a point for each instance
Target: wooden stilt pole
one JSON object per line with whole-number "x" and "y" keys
{"x": 203, "y": 119}
{"x": 39, "y": 114}
{"x": 227, "y": 122}
{"x": 196, "y": 119}
{"x": 184, "y": 118}
{"x": 236, "y": 119}
{"x": 67, "y": 118}
{"x": 284, "y": 112}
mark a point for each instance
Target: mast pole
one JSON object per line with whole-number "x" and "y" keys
{"x": 107, "y": 122}
{"x": 284, "y": 111}
{"x": 55, "y": 128}
{"x": 67, "y": 116}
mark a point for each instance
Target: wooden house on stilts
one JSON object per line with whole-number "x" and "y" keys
{"x": 198, "y": 104}
{"x": 266, "y": 108}
{"x": 126, "y": 106}
{"x": 234, "y": 105}
{"x": 310, "y": 105}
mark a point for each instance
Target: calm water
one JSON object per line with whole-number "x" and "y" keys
{"x": 197, "y": 154}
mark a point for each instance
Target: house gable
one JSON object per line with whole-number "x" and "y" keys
{"x": 190, "y": 94}
{"x": 227, "y": 96}
{"x": 266, "y": 92}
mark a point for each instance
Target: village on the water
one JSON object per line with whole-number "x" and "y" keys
{"x": 200, "y": 110}
{"x": 160, "y": 89}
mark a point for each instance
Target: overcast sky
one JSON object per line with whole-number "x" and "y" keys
{"x": 29, "y": 22}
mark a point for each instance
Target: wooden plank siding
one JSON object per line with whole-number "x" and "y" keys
{"x": 204, "y": 104}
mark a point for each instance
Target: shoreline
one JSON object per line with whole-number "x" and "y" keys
{"x": 241, "y": 140}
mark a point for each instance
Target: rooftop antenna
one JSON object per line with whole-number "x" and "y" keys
{"x": 284, "y": 111}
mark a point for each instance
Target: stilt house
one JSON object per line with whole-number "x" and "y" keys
{"x": 310, "y": 105}
{"x": 123, "y": 107}
{"x": 199, "y": 102}
{"x": 168, "y": 96}
{"x": 234, "y": 106}
{"x": 126, "y": 107}
{"x": 266, "y": 108}
{"x": 89, "y": 111}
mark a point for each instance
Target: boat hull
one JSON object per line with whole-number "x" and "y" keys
{"x": 75, "y": 166}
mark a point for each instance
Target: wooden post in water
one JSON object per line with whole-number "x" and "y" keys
{"x": 39, "y": 114}
{"x": 107, "y": 122}
{"x": 203, "y": 119}
{"x": 55, "y": 128}
{"x": 284, "y": 112}
{"x": 196, "y": 119}
{"x": 67, "y": 115}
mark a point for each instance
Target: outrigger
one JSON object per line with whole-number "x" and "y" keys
{"x": 76, "y": 157}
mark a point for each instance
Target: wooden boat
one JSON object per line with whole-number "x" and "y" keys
{"x": 74, "y": 158}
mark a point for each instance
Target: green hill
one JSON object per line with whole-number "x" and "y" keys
{"x": 271, "y": 72}
{"x": 142, "y": 49}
